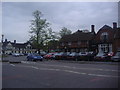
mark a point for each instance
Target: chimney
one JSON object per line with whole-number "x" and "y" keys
{"x": 5, "y": 40}
{"x": 14, "y": 41}
{"x": 92, "y": 28}
{"x": 114, "y": 25}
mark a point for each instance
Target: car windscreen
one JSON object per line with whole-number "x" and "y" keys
{"x": 118, "y": 54}
{"x": 35, "y": 54}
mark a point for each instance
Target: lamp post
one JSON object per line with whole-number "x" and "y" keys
{"x": 2, "y": 47}
{"x": 65, "y": 48}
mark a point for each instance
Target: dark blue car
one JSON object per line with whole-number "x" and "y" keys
{"x": 34, "y": 57}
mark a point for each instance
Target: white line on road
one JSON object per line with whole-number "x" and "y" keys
{"x": 103, "y": 75}
{"x": 69, "y": 71}
{"x": 12, "y": 64}
{"x": 27, "y": 62}
{"x": 35, "y": 67}
{"x": 82, "y": 68}
{"x": 50, "y": 69}
{"x": 73, "y": 72}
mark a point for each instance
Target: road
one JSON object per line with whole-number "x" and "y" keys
{"x": 58, "y": 74}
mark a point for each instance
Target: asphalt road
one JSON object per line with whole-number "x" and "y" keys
{"x": 55, "y": 74}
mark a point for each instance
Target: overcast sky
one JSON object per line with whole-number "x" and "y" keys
{"x": 16, "y": 16}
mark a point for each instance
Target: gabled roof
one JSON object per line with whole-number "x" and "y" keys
{"x": 18, "y": 45}
{"x": 106, "y": 27}
{"x": 77, "y": 36}
{"x": 5, "y": 43}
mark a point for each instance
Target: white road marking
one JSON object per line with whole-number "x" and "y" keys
{"x": 69, "y": 71}
{"x": 50, "y": 69}
{"x": 12, "y": 64}
{"x": 27, "y": 62}
{"x": 103, "y": 75}
{"x": 73, "y": 72}
{"x": 82, "y": 68}
{"x": 35, "y": 67}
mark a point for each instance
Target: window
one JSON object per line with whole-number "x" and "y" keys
{"x": 79, "y": 42}
{"x": 9, "y": 46}
{"x": 104, "y": 36}
{"x": 104, "y": 47}
{"x": 62, "y": 44}
{"x": 69, "y": 43}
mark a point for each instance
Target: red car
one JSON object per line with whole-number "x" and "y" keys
{"x": 49, "y": 56}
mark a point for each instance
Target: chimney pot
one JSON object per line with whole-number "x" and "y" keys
{"x": 5, "y": 40}
{"x": 14, "y": 41}
{"x": 114, "y": 25}
{"x": 92, "y": 28}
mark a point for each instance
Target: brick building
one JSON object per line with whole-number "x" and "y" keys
{"x": 106, "y": 40}
{"x": 79, "y": 41}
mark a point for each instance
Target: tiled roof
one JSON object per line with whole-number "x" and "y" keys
{"x": 106, "y": 27}
{"x": 5, "y": 43}
{"x": 18, "y": 45}
{"x": 77, "y": 36}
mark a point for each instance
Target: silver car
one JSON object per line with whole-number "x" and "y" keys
{"x": 116, "y": 57}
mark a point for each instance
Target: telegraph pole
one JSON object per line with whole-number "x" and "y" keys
{"x": 2, "y": 38}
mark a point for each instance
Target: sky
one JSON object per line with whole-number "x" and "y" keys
{"x": 17, "y": 16}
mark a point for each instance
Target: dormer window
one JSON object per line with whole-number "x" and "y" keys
{"x": 104, "y": 36}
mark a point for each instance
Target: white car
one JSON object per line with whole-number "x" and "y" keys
{"x": 83, "y": 53}
{"x": 16, "y": 54}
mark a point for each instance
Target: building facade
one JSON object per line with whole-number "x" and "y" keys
{"x": 106, "y": 40}
{"x": 13, "y": 47}
{"x": 80, "y": 41}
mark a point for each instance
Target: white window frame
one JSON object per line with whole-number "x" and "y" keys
{"x": 103, "y": 34}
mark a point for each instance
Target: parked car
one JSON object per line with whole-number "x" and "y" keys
{"x": 108, "y": 56}
{"x": 100, "y": 56}
{"x": 21, "y": 54}
{"x": 49, "y": 56}
{"x": 53, "y": 57}
{"x": 42, "y": 53}
{"x": 65, "y": 55}
{"x": 82, "y": 55}
{"x": 16, "y": 54}
{"x": 116, "y": 57}
{"x": 10, "y": 54}
{"x": 90, "y": 56}
{"x": 34, "y": 57}
{"x": 58, "y": 56}
{"x": 25, "y": 54}
{"x": 73, "y": 56}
